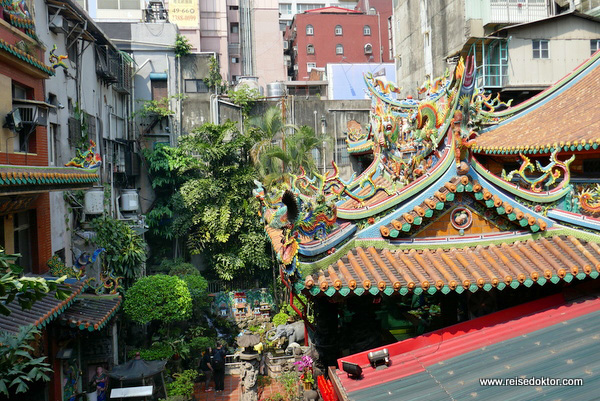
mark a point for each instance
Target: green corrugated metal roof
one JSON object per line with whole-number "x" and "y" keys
{"x": 568, "y": 349}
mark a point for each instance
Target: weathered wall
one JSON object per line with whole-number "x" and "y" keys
{"x": 568, "y": 46}
{"x": 195, "y": 106}
{"x": 426, "y": 32}
{"x": 336, "y": 114}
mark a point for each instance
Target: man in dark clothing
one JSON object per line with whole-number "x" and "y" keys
{"x": 206, "y": 368}
{"x": 219, "y": 368}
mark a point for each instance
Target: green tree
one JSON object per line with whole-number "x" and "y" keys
{"x": 183, "y": 46}
{"x": 214, "y": 81}
{"x": 18, "y": 368}
{"x": 169, "y": 167}
{"x": 125, "y": 250}
{"x": 24, "y": 290}
{"x": 160, "y": 297}
{"x": 245, "y": 97}
{"x": 225, "y": 228}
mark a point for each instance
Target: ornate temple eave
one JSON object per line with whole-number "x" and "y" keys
{"x": 29, "y": 179}
{"x": 381, "y": 271}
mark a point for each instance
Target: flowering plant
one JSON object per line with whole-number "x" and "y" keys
{"x": 305, "y": 366}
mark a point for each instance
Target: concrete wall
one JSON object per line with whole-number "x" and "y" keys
{"x": 195, "y": 106}
{"x": 568, "y": 46}
{"x": 267, "y": 51}
{"x": 425, "y": 33}
{"x": 80, "y": 85}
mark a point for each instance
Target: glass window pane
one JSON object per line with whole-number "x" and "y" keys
{"x": 108, "y": 4}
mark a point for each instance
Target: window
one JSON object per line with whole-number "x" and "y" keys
{"x": 343, "y": 159}
{"x": 594, "y": 46}
{"x": 234, "y": 8}
{"x": 367, "y": 30}
{"x": 310, "y": 30}
{"x": 235, "y": 60}
{"x": 53, "y": 136}
{"x": 234, "y": 27}
{"x": 310, "y": 49}
{"x": 338, "y": 30}
{"x": 305, "y": 7}
{"x": 368, "y": 49}
{"x": 310, "y": 66}
{"x": 285, "y": 8}
{"x": 339, "y": 49}
{"x": 195, "y": 86}
{"x": 119, "y": 4}
{"x": 159, "y": 89}
{"x": 22, "y": 223}
{"x": 540, "y": 48}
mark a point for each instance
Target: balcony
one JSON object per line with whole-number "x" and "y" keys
{"x": 516, "y": 11}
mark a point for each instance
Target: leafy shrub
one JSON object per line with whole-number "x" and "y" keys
{"x": 18, "y": 368}
{"x": 179, "y": 267}
{"x": 156, "y": 352}
{"x": 198, "y": 344}
{"x": 275, "y": 397}
{"x": 280, "y": 318}
{"x": 289, "y": 380}
{"x": 159, "y": 297}
{"x": 125, "y": 250}
{"x": 183, "y": 383}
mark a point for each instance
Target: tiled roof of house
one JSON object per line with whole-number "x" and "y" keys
{"x": 492, "y": 266}
{"x": 567, "y": 121}
{"x": 17, "y": 54}
{"x": 91, "y": 312}
{"x": 42, "y": 312}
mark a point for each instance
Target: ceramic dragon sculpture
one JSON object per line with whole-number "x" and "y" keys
{"x": 549, "y": 173}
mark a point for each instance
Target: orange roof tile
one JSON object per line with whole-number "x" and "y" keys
{"x": 551, "y": 258}
{"x": 570, "y": 118}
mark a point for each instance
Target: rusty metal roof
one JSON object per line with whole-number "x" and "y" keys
{"x": 551, "y": 258}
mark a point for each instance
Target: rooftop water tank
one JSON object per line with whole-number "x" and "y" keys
{"x": 93, "y": 201}
{"x": 129, "y": 200}
{"x": 275, "y": 89}
{"x": 251, "y": 82}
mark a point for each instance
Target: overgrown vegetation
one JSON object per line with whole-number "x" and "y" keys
{"x": 214, "y": 81}
{"x": 183, "y": 47}
{"x": 245, "y": 97}
{"x": 18, "y": 366}
{"x": 125, "y": 250}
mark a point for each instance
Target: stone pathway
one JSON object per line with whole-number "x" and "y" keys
{"x": 233, "y": 391}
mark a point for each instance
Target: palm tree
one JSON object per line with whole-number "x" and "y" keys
{"x": 268, "y": 127}
{"x": 296, "y": 152}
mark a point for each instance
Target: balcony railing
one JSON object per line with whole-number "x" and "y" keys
{"x": 517, "y": 11}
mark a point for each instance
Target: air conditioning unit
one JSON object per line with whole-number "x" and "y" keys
{"x": 33, "y": 114}
{"x": 286, "y": 45}
{"x": 296, "y": 67}
{"x": 58, "y": 24}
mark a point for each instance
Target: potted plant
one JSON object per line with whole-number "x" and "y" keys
{"x": 305, "y": 366}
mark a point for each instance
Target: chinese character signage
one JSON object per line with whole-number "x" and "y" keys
{"x": 184, "y": 13}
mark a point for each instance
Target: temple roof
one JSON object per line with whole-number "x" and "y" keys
{"x": 43, "y": 311}
{"x": 91, "y": 312}
{"x": 544, "y": 338}
{"x": 566, "y": 120}
{"x": 550, "y": 258}
{"x": 20, "y": 179}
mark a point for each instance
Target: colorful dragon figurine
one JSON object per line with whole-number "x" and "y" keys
{"x": 590, "y": 200}
{"x": 89, "y": 159}
{"x": 438, "y": 83}
{"x": 384, "y": 86}
{"x": 85, "y": 260}
{"x": 550, "y": 172}
{"x": 56, "y": 60}
{"x": 108, "y": 282}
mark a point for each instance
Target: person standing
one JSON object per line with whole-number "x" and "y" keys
{"x": 219, "y": 368}
{"x": 99, "y": 380}
{"x": 207, "y": 368}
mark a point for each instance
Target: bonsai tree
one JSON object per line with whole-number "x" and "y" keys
{"x": 160, "y": 297}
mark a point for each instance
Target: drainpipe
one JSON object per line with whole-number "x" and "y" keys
{"x": 380, "y": 44}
